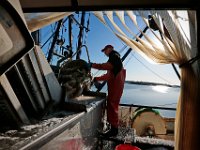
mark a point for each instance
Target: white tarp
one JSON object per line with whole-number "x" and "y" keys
{"x": 36, "y": 21}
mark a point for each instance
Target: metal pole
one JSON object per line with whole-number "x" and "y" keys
{"x": 36, "y": 37}
{"x": 176, "y": 71}
{"x": 70, "y": 35}
{"x": 80, "y": 35}
{"x": 50, "y": 54}
{"x": 130, "y": 49}
{"x": 144, "y": 106}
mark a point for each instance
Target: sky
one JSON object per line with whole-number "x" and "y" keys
{"x": 137, "y": 68}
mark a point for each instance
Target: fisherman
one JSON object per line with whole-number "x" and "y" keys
{"x": 115, "y": 78}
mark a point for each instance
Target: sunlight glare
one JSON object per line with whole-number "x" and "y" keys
{"x": 160, "y": 88}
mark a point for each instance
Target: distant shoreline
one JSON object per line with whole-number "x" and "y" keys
{"x": 150, "y": 83}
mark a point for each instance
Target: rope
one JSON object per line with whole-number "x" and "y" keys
{"x": 190, "y": 62}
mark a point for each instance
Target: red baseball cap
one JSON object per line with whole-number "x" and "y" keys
{"x": 107, "y": 46}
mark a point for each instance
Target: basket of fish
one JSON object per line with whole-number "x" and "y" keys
{"x": 75, "y": 77}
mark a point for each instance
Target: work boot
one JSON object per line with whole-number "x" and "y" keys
{"x": 112, "y": 132}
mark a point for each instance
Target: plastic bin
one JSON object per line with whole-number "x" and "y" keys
{"x": 126, "y": 147}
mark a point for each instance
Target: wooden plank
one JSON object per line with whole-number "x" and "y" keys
{"x": 63, "y": 5}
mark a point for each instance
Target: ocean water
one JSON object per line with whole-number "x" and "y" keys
{"x": 151, "y": 95}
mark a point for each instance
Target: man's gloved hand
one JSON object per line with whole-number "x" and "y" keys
{"x": 96, "y": 84}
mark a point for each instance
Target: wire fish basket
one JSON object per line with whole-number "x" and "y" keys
{"x": 75, "y": 77}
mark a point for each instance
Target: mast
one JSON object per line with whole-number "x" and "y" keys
{"x": 70, "y": 35}
{"x": 80, "y": 35}
{"x": 50, "y": 54}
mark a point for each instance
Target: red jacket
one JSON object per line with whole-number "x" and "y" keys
{"x": 115, "y": 78}
{"x": 115, "y": 83}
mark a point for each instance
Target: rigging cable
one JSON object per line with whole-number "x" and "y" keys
{"x": 52, "y": 31}
{"x": 120, "y": 51}
{"x": 113, "y": 31}
{"x": 125, "y": 46}
{"x": 151, "y": 70}
{"x": 129, "y": 59}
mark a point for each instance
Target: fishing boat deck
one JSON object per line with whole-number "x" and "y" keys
{"x": 73, "y": 124}
{"x": 134, "y": 140}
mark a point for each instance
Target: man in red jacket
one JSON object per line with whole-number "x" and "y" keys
{"x": 115, "y": 78}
